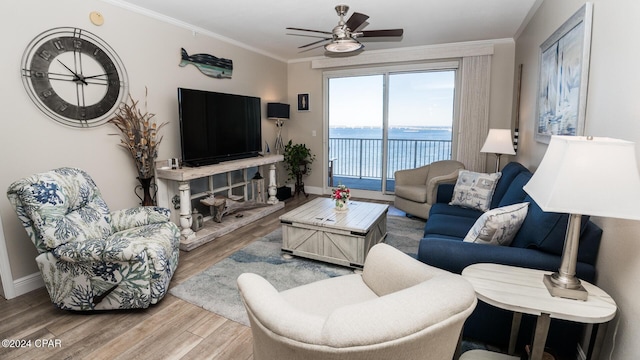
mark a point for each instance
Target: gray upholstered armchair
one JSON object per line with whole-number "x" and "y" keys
{"x": 91, "y": 258}
{"x": 398, "y": 308}
{"x": 416, "y": 189}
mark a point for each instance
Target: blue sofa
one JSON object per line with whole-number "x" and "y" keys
{"x": 537, "y": 245}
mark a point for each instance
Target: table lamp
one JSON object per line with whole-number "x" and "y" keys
{"x": 584, "y": 176}
{"x": 499, "y": 142}
{"x": 278, "y": 112}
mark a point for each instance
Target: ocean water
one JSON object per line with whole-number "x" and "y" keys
{"x": 359, "y": 151}
{"x": 415, "y": 132}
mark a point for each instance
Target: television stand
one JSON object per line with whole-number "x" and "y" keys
{"x": 167, "y": 180}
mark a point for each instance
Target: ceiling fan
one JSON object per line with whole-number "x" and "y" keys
{"x": 344, "y": 36}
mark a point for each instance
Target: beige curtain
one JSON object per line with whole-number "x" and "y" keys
{"x": 474, "y": 111}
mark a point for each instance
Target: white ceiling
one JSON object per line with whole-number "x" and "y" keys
{"x": 260, "y": 24}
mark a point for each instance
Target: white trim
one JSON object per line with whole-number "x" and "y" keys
{"x": 8, "y": 289}
{"x": 391, "y": 68}
{"x": 530, "y": 14}
{"x": 193, "y": 28}
{"x": 28, "y": 283}
{"x": 400, "y": 51}
{"x": 423, "y": 53}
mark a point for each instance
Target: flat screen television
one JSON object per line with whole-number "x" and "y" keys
{"x": 216, "y": 127}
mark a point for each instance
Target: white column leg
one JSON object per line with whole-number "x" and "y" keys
{"x": 185, "y": 210}
{"x": 273, "y": 190}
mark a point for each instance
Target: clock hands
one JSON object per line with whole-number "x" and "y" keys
{"x": 95, "y": 76}
{"x": 80, "y": 78}
{"x": 77, "y": 77}
{"x": 93, "y": 79}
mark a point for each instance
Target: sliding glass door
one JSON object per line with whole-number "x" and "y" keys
{"x": 356, "y": 131}
{"x": 420, "y": 120}
{"x": 381, "y": 121}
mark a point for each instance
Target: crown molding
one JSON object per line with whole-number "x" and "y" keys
{"x": 417, "y": 53}
{"x": 184, "y": 25}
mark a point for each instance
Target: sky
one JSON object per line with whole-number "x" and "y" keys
{"x": 415, "y": 99}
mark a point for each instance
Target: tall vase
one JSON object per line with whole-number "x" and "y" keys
{"x": 145, "y": 185}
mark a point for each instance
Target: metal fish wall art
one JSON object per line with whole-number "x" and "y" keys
{"x": 208, "y": 64}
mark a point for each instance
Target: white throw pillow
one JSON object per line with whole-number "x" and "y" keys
{"x": 474, "y": 190}
{"x": 498, "y": 226}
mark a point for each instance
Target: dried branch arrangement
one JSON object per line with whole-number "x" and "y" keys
{"x": 138, "y": 135}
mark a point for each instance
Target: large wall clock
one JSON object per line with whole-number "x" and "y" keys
{"x": 74, "y": 77}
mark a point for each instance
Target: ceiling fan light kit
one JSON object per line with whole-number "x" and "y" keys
{"x": 343, "y": 36}
{"x": 343, "y": 46}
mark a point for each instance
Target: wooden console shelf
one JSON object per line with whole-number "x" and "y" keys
{"x": 189, "y": 239}
{"x": 191, "y": 173}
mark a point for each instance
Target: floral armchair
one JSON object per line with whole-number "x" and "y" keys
{"x": 91, "y": 258}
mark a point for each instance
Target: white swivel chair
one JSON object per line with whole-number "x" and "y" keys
{"x": 398, "y": 308}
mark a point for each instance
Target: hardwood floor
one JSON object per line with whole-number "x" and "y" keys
{"x": 172, "y": 329}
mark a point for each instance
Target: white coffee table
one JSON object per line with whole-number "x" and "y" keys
{"x": 522, "y": 291}
{"x": 317, "y": 231}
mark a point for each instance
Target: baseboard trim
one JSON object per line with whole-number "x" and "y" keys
{"x": 28, "y": 283}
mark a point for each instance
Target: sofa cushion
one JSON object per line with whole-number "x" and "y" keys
{"x": 498, "y": 226}
{"x": 509, "y": 172}
{"x": 449, "y": 225}
{"x": 474, "y": 190}
{"x": 446, "y": 209}
{"x": 542, "y": 230}
{"x": 515, "y": 193}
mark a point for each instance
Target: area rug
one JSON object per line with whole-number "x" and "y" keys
{"x": 215, "y": 288}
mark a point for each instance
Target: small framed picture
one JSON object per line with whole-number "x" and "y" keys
{"x": 303, "y": 102}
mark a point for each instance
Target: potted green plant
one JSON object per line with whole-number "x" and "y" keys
{"x": 297, "y": 160}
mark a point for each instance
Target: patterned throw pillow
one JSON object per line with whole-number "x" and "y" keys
{"x": 498, "y": 226}
{"x": 474, "y": 190}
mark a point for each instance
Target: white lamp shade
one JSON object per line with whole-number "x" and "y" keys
{"x": 499, "y": 141}
{"x": 588, "y": 176}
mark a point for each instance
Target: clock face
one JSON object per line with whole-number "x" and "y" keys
{"x": 74, "y": 77}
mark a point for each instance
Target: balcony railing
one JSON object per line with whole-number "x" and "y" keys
{"x": 362, "y": 158}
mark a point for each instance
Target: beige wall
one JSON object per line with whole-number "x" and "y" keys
{"x": 304, "y": 79}
{"x": 150, "y": 49}
{"x": 613, "y": 110}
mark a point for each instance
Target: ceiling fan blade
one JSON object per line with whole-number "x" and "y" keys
{"x": 318, "y": 31}
{"x": 310, "y": 48}
{"x": 313, "y": 43}
{"x": 382, "y": 33}
{"x": 318, "y": 36}
{"x": 356, "y": 20}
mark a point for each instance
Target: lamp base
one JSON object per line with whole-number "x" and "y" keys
{"x": 279, "y": 143}
{"x": 560, "y": 289}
